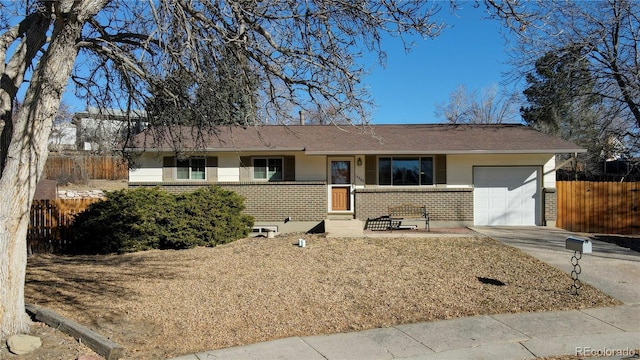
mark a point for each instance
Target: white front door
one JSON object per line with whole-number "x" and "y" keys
{"x": 340, "y": 184}
{"x": 506, "y": 195}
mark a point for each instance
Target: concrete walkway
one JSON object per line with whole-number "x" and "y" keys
{"x": 607, "y": 333}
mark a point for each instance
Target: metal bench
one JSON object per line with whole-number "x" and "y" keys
{"x": 410, "y": 212}
{"x": 382, "y": 223}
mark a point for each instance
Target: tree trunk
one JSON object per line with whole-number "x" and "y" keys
{"x": 26, "y": 156}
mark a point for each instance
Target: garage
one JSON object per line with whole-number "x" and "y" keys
{"x": 506, "y": 195}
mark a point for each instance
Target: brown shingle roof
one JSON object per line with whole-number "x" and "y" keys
{"x": 372, "y": 139}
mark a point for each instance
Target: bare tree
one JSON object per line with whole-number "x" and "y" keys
{"x": 607, "y": 31}
{"x": 302, "y": 54}
{"x": 490, "y": 107}
{"x": 324, "y": 115}
{"x": 114, "y": 51}
{"x": 455, "y": 110}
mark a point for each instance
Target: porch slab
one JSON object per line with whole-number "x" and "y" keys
{"x": 344, "y": 228}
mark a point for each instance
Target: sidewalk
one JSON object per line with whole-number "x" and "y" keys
{"x": 599, "y": 331}
{"x": 609, "y": 333}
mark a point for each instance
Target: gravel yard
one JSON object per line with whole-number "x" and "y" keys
{"x": 160, "y": 304}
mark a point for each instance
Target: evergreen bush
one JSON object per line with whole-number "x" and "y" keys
{"x": 151, "y": 218}
{"x": 208, "y": 217}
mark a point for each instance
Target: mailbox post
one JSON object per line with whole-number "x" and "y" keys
{"x": 579, "y": 247}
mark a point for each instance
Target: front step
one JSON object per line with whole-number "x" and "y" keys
{"x": 338, "y": 216}
{"x": 343, "y": 228}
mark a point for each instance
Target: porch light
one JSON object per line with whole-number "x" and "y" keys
{"x": 359, "y": 162}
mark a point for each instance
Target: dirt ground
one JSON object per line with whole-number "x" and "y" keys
{"x": 55, "y": 346}
{"x": 160, "y": 304}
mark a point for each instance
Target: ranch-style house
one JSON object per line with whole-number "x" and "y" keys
{"x": 294, "y": 177}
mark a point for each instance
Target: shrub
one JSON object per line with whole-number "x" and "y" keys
{"x": 150, "y": 218}
{"x": 208, "y": 217}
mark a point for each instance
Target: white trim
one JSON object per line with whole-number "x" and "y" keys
{"x": 267, "y": 158}
{"x": 189, "y": 159}
{"x": 351, "y": 186}
{"x": 443, "y": 152}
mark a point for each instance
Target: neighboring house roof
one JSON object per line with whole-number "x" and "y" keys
{"x": 370, "y": 139}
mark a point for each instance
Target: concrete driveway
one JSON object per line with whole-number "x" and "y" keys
{"x": 610, "y": 268}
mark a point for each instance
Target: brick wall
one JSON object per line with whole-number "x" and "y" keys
{"x": 307, "y": 201}
{"x": 443, "y": 204}
{"x": 274, "y": 201}
{"x": 550, "y": 200}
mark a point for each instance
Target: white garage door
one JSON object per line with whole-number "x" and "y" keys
{"x": 506, "y": 196}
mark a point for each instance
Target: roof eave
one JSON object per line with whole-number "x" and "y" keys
{"x": 256, "y": 149}
{"x": 445, "y": 152}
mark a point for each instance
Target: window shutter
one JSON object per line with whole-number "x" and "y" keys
{"x": 245, "y": 168}
{"x": 441, "y": 169}
{"x": 289, "y": 168}
{"x": 370, "y": 167}
{"x": 212, "y": 168}
{"x": 168, "y": 166}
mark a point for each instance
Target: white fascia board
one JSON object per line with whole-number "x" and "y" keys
{"x": 258, "y": 149}
{"x": 448, "y": 152}
{"x": 277, "y": 149}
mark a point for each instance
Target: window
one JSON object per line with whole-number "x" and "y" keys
{"x": 267, "y": 169}
{"x": 190, "y": 169}
{"x": 405, "y": 171}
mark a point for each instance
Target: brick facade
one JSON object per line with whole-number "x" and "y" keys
{"x": 303, "y": 201}
{"x": 270, "y": 202}
{"x": 307, "y": 201}
{"x": 443, "y": 204}
{"x": 550, "y": 200}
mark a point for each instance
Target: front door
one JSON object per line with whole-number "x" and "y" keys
{"x": 340, "y": 185}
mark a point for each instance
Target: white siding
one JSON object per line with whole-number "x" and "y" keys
{"x": 308, "y": 168}
{"x": 149, "y": 169}
{"x": 145, "y": 175}
{"x": 228, "y": 167}
{"x": 549, "y": 176}
{"x": 460, "y": 167}
{"x": 311, "y": 168}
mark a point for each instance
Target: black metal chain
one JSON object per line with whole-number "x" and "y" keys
{"x": 577, "y": 284}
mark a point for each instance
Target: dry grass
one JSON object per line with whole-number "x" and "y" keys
{"x": 167, "y": 303}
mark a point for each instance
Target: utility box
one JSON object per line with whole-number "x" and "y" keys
{"x": 577, "y": 244}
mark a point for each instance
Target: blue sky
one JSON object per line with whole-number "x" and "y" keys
{"x": 471, "y": 52}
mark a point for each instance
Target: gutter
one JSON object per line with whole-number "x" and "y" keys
{"x": 195, "y": 150}
{"x": 444, "y": 152}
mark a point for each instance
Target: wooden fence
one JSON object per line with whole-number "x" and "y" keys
{"x": 85, "y": 167}
{"x": 50, "y": 221}
{"x": 599, "y": 207}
